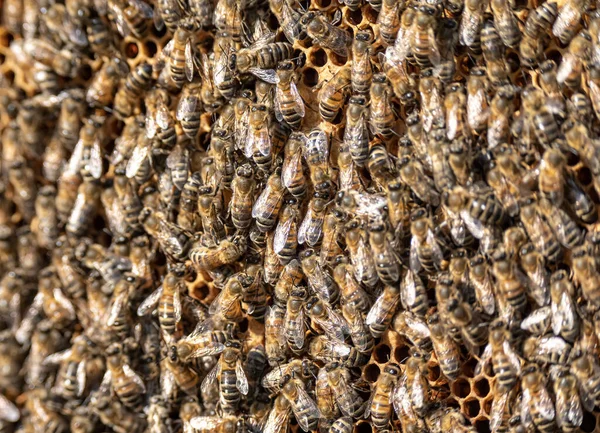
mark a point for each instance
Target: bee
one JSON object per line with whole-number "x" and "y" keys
{"x": 210, "y": 209}
{"x": 220, "y": 424}
{"x": 118, "y": 317}
{"x": 187, "y": 218}
{"x": 569, "y": 412}
{"x": 179, "y": 54}
{"x": 477, "y": 99}
{"x": 295, "y": 322}
{"x": 347, "y": 399}
{"x": 45, "y": 224}
{"x": 42, "y": 415}
{"x": 364, "y": 264}
{"x": 322, "y": 348}
{"x": 536, "y": 399}
{"x": 379, "y": 408}
{"x": 413, "y": 174}
{"x": 382, "y": 118}
{"x": 389, "y": 21}
{"x": 473, "y": 329}
{"x": 415, "y": 377}
{"x": 548, "y": 349}
{"x": 506, "y": 23}
{"x": 278, "y": 418}
{"x": 305, "y": 409}
{"x": 505, "y": 361}
{"x": 471, "y": 23}
{"x": 414, "y": 329}
{"x": 564, "y": 317}
{"x": 579, "y": 201}
{"x": 539, "y": 231}
{"x": 45, "y": 340}
{"x": 424, "y": 45}
{"x": 292, "y": 173}
{"x": 566, "y": 23}
{"x": 501, "y": 109}
{"x": 380, "y": 164}
{"x": 275, "y": 338}
{"x": 587, "y": 372}
{"x": 325, "y": 33}
{"x": 63, "y": 62}
{"x": 104, "y": 85}
{"x": 289, "y": 19}
{"x": 289, "y": 106}
{"x": 174, "y": 372}
{"x": 260, "y": 59}
{"x": 240, "y": 206}
{"x": 267, "y": 205}
{"x": 71, "y": 379}
{"x": 189, "y": 109}
{"x": 571, "y": 67}
{"x": 446, "y": 349}
{"x": 333, "y": 94}
{"x": 382, "y": 245}
{"x": 21, "y": 177}
{"x": 566, "y": 229}
{"x": 126, "y": 383}
{"x": 213, "y": 256}
{"x": 585, "y": 273}
{"x": 356, "y": 133}
{"x": 285, "y": 238}
{"x": 167, "y": 298}
{"x": 311, "y": 228}
{"x": 381, "y": 313}
{"x": 425, "y": 251}
{"x": 136, "y": 82}
{"x": 316, "y": 155}
{"x": 199, "y": 343}
{"x": 258, "y": 145}
{"x": 231, "y": 377}
{"x": 361, "y": 71}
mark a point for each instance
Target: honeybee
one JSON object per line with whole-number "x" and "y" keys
{"x": 200, "y": 343}
{"x": 242, "y": 198}
{"x": 567, "y": 21}
{"x": 292, "y": 173}
{"x": 585, "y": 273}
{"x": 415, "y": 378}
{"x": 381, "y": 313}
{"x": 473, "y": 329}
{"x": 322, "y": 348}
{"x": 260, "y": 58}
{"x": 382, "y": 118}
{"x": 103, "y": 87}
{"x": 346, "y": 397}
{"x": 506, "y": 23}
{"x": 189, "y": 109}
{"x": 289, "y": 19}
{"x": 289, "y": 106}
{"x": 63, "y": 62}
{"x": 356, "y": 133}
{"x": 536, "y": 399}
{"x": 533, "y": 264}
{"x": 505, "y": 361}
{"x": 446, "y": 349}
{"x": 278, "y": 418}
{"x": 224, "y": 424}
{"x": 267, "y": 205}
{"x": 258, "y": 145}
{"x": 547, "y": 350}
{"x": 539, "y": 231}
{"x": 413, "y": 174}
{"x": 571, "y": 67}
{"x": 566, "y": 229}
{"x": 167, "y": 298}
{"x": 325, "y": 33}
{"x": 587, "y": 372}
{"x": 379, "y": 407}
{"x": 126, "y": 383}
{"x": 477, "y": 99}
{"x": 579, "y": 201}
{"x": 333, "y": 94}
{"x": 501, "y": 110}
{"x": 389, "y": 21}
{"x": 363, "y": 263}
{"x": 311, "y": 228}
{"x": 295, "y": 322}
{"x": 136, "y": 82}
{"x": 382, "y": 244}
{"x": 564, "y": 316}
{"x": 471, "y": 22}
{"x": 286, "y": 236}
{"x": 229, "y": 371}
{"x": 42, "y": 415}
{"x": 213, "y": 256}
{"x": 176, "y": 373}
{"x": 425, "y": 251}
{"x": 569, "y": 412}
{"x": 71, "y": 379}
{"x": 179, "y": 53}
{"x": 275, "y": 338}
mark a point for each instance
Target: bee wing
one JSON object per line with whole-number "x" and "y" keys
{"x": 211, "y": 378}
{"x": 206, "y": 423}
{"x": 545, "y": 405}
{"x": 261, "y": 202}
{"x": 469, "y": 27}
{"x": 81, "y": 378}
{"x": 177, "y": 305}
{"x": 316, "y": 144}
{"x": 334, "y": 326}
{"x": 298, "y": 99}
{"x": 513, "y": 358}
{"x": 525, "y": 402}
{"x": 379, "y": 310}
{"x": 221, "y": 302}
{"x": 434, "y": 53}
{"x": 304, "y": 409}
{"x": 408, "y": 289}
{"x": 476, "y": 108}
{"x": 162, "y": 116}
{"x": 435, "y": 247}
{"x": 29, "y": 322}
{"x": 189, "y": 60}
{"x": 168, "y": 385}
{"x": 486, "y": 357}
{"x": 134, "y": 377}
{"x": 278, "y": 98}
{"x": 415, "y": 263}
{"x": 262, "y": 141}
{"x": 594, "y": 90}
{"x": 485, "y": 295}
{"x": 211, "y": 349}
{"x": 570, "y": 407}
{"x": 74, "y": 163}
{"x": 94, "y": 165}
{"x": 149, "y": 304}
{"x": 497, "y": 411}
{"x": 290, "y": 168}
{"x": 296, "y": 329}
{"x": 8, "y": 411}
{"x": 64, "y": 302}
{"x": 304, "y": 226}
{"x": 400, "y": 399}
{"x": 144, "y": 9}
{"x": 119, "y": 17}
{"x": 267, "y": 75}
{"x": 278, "y": 420}
{"x": 541, "y": 315}
{"x": 186, "y": 106}
{"x": 475, "y": 226}
{"x": 58, "y": 357}
{"x": 282, "y": 231}
{"x": 116, "y": 307}
{"x": 241, "y": 381}
{"x": 138, "y": 157}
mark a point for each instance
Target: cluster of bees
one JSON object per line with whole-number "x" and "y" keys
{"x": 216, "y": 236}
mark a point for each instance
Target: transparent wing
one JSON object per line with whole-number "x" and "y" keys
{"x": 415, "y": 263}
{"x": 206, "y": 423}
{"x": 278, "y": 98}
{"x": 567, "y": 15}
{"x": 64, "y": 302}
{"x": 186, "y": 106}
{"x": 8, "y": 411}
{"x": 497, "y": 411}
{"x": 379, "y": 310}
{"x": 298, "y": 99}
{"x": 539, "y": 318}
{"x": 513, "y": 358}
{"x": 177, "y": 305}
{"x": 278, "y": 420}
{"x": 267, "y": 75}
{"x": 58, "y": 357}
{"x": 138, "y": 157}
{"x": 241, "y": 382}
{"x": 81, "y": 378}
{"x": 304, "y": 226}
{"x": 134, "y": 377}
{"x": 211, "y": 378}
{"x": 149, "y": 304}
{"x": 282, "y": 232}
{"x": 144, "y": 9}
{"x": 162, "y": 116}
{"x": 116, "y": 308}
{"x": 408, "y": 289}
{"x": 74, "y": 163}
{"x": 189, "y": 60}
{"x": 222, "y": 302}
{"x": 475, "y": 226}
{"x": 304, "y": 408}
{"x": 486, "y": 357}
{"x": 289, "y": 170}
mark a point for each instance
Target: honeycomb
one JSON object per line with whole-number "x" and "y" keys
{"x": 472, "y": 394}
